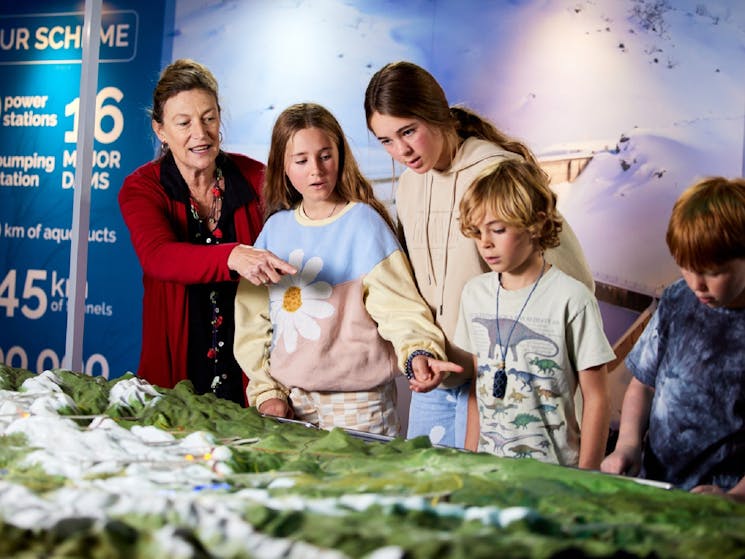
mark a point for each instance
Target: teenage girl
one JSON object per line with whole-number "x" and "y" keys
{"x": 444, "y": 149}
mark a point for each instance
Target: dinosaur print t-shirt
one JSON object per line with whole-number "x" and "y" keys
{"x": 559, "y": 333}
{"x": 694, "y": 358}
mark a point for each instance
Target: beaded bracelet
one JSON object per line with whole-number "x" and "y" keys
{"x": 409, "y": 372}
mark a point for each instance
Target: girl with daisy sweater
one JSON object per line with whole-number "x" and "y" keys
{"x": 325, "y": 345}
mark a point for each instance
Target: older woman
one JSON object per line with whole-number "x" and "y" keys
{"x": 192, "y": 215}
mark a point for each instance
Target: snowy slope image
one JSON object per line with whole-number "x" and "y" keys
{"x": 652, "y": 91}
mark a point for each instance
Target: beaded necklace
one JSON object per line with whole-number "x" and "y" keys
{"x": 500, "y": 376}
{"x": 213, "y": 217}
{"x": 214, "y": 235}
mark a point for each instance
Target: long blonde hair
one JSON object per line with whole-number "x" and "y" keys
{"x": 352, "y": 186}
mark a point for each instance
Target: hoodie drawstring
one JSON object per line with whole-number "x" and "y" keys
{"x": 428, "y": 207}
{"x": 443, "y": 277}
{"x": 432, "y": 278}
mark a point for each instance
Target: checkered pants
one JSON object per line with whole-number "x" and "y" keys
{"x": 372, "y": 411}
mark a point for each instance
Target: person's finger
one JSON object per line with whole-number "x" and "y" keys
{"x": 281, "y": 266}
{"x": 416, "y": 386}
{"x": 262, "y": 277}
{"x": 708, "y": 489}
{"x": 271, "y": 275}
{"x": 422, "y": 386}
{"x": 445, "y": 366}
{"x": 255, "y": 279}
{"x": 423, "y": 376}
{"x": 272, "y": 268}
{"x": 425, "y": 382}
{"x": 611, "y": 465}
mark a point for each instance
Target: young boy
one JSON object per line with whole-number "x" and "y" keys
{"x": 535, "y": 333}
{"x": 683, "y": 415}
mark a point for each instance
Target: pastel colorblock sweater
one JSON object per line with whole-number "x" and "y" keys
{"x": 347, "y": 321}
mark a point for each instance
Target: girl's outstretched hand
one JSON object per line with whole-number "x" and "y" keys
{"x": 429, "y": 372}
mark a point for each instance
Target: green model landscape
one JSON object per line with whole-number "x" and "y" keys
{"x": 428, "y": 502}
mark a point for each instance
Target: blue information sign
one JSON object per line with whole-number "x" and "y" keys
{"x": 40, "y": 64}
{"x": 55, "y": 38}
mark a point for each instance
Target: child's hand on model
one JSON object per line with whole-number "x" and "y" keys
{"x": 708, "y": 489}
{"x": 429, "y": 372}
{"x": 624, "y": 460}
{"x": 737, "y": 493}
{"x": 276, "y": 408}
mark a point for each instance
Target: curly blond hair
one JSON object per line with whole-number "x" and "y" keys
{"x": 517, "y": 193}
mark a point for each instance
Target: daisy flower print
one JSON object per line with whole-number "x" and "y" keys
{"x": 298, "y": 301}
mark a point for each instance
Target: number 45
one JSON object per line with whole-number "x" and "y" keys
{"x": 9, "y": 300}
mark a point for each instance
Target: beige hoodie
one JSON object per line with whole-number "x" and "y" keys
{"x": 442, "y": 258}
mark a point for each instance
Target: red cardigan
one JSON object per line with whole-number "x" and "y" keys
{"x": 158, "y": 228}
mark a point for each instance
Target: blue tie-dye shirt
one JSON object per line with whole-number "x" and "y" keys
{"x": 694, "y": 358}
